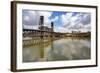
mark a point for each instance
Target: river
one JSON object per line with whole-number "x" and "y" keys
{"x": 58, "y": 50}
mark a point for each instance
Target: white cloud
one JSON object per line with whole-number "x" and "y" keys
{"x": 76, "y": 22}
{"x": 26, "y": 18}
{"x": 46, "y": 17}
{"x": 31, "y": 18}
{"x": 86, "y": 19}
{"x": 69, "y": 15}
{"x": 30, "y": 27}
{"x": 74, "y": 18}
{"x": 56, "y": 18}
{"x": 62, "y": 29}
{"x": 45, "y": 14}
{"x": 66, "y": 19}
{"x": 88, "y": 27}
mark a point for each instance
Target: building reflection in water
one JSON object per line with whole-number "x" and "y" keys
{"x": 58, "y": 50}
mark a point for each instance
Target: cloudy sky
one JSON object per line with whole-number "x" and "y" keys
{"x": 63, "y": 21}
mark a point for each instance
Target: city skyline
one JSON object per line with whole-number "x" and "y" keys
{"x": 63, "y": 21}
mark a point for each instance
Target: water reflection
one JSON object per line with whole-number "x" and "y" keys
{"x": 57, "y": 50}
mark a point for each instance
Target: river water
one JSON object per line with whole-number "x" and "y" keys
{"x": 58, "y": 50}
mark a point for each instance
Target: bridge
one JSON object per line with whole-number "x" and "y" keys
{"x": 35, "y": 37}
{"x": 45, "y": 34}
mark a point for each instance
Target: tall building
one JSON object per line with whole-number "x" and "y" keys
{"x": 52, "y": 26}
{"x": 41, "y": 21}
{"x": 45, "y": 28}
